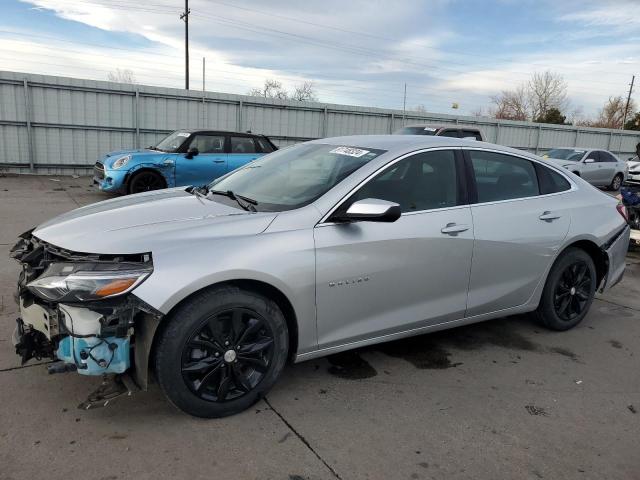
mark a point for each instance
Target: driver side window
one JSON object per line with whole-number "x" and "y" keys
{"x": 423, "y": 181}
{"x": 208, "y": 143}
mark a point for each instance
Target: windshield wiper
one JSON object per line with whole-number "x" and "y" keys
{"x": 245, "y": 203}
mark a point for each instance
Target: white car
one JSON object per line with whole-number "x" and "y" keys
{"x": 634, "y": 169}
{"x": 598, "y": 167}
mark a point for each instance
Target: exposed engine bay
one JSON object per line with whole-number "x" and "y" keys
{"x": 77, "y": 308}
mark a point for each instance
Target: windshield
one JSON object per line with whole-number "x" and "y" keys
{"x": 295, "y": 176}
{"x": 416, "y": 131}
{"x": 565, "y": 154}
{"x": 172, "y": 143}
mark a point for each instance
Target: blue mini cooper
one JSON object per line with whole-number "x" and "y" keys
{"x": 185, "y": 157}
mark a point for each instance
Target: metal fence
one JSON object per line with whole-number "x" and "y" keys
{"x": 62, "y": 125}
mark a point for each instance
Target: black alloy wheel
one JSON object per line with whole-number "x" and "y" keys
{"x": 145, "y": 181}
{"x": 228, "y": 355}
{"x": 569, "y": 290}
{"x": 220, "y": 351}
{"x": 573, "y": 291}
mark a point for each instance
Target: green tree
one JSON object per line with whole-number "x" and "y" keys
{"x": 633, "y": 123}
{"x": 553, "y": 115}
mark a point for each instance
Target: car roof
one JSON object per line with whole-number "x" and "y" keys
{"x": 400, "y": 144}
{"x": 435, "y": 125}
{"x": 218, "y": 132}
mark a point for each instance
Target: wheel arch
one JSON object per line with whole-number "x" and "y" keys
{"x": 597, "y": 254}
{"x": 257, "y": 286}
{"x": 144, "y": 168}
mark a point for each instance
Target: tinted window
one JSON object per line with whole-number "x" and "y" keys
{"x": 449, "y": 133}
{"x": 416, "y": 130}
{"x": 471, "y": 134}
{"x": 242, "y": 145}
{"x": 595, "y": 155}
{"x": 208, "y": 143}
{"x": 264, "y": 144}
{"x": 607, "y": 157}
{"x": 502, "y": 177}
{"x": 421, "y": 182}
{"x": 550, "y": 181}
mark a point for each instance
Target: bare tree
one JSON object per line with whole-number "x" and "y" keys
{"x": 122, "y": 76}
{"x": 420, "y": 108}
{"x": 304, "y": 93}
{"x": 271, "y": 89}
{"x": 545, "y": 91}
{"x": 479, "y": 112}
{"x": 511, "y": 104}
{"x": 611, "y": 114}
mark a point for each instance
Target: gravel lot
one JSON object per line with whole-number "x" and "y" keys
{"x": 501, "y": 399}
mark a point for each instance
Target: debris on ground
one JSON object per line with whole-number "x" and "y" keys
{"x": 533, "y": 410}
{"x": 632, "y": 409}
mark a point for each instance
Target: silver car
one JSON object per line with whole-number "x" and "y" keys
{"x": 598, "y": 167}
{"x": 318, "y": 248}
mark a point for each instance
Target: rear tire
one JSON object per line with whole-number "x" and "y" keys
{"x": 616, "y": 183}
{"x": 145, "y": 181}
{"x": 568, "y": 292}
{"x": 221, "y": 351}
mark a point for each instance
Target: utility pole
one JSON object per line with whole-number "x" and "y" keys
{"x": 626, "y": 107}
{"x": 404, "y": 104}
{"x": 203, "y": 104}
{"x": 185, "y": 17}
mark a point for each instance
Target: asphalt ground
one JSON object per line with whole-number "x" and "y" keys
{"x": 500, "y": 399}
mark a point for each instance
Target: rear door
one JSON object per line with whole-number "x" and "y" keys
{"x": 242, "y": 150}
{"x": 374, "y": 278}
{"x": 519, "y": 224}
{"x": 608, "y": 167}
{"x": 209, "y": 164}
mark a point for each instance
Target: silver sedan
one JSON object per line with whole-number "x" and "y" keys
{"x": 598, "y": 167}
{"x": 318, "y": 248}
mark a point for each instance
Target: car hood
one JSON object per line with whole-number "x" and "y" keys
{"x": 141, "y": 223}
{"x": 140, "y": 154}
{"x": 119, "y": 153}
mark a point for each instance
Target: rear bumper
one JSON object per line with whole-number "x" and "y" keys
{"x": 616, "y": 250}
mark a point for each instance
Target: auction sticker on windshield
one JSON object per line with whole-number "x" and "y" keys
{"x": 430, "y": 129}
{"x": 350, "y": 151}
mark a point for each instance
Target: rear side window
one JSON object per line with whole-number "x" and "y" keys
{"x": 449, "y": 133}
{"x": 550, "y": 181}
{"x": 242, "y": 145}
{"x": 607, "y": 157}
{"x": 265, "y": 146}
{"x": 503, "y": 177}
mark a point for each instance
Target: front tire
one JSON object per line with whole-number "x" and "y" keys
{"x": 145, "y": 181}
{"x": 221, "y": 351}
{"x": 616, "y": 183}
{"x": 569, "y": 291}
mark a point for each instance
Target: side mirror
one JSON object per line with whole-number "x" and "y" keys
{"x": 192, "y": 152}
{"x": 589, "y": 160}
{"x": 372, "y": 210}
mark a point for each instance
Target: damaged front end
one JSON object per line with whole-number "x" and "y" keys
{"x": 78, "y": 307}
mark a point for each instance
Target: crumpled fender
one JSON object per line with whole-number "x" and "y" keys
{"x": 167, "y": 171}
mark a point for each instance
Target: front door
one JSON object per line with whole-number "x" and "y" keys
{"x": 608, "y": 165}
{"x": 590, "y": 170}
{"x": 518, "y": 230}
{"x": 374, "y": 279}
{"x": 209, "y": 164}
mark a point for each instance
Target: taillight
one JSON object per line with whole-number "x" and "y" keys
{"x": 622, "y": 210}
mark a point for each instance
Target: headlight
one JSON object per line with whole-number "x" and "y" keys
{"x": 121, "y": 162}
{"x": 84, "y": 282}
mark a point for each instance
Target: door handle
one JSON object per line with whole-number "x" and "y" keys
{"x": 454, "y": 229}
{"x": 218, "y": 161}
{"x": 549, "y": 216}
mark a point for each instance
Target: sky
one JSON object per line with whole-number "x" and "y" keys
{"x": 355, "y": 52}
